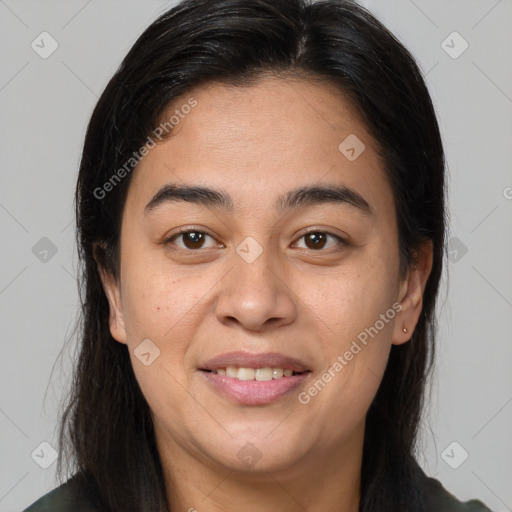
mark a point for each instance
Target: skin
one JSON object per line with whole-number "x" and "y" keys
{"x": 257, "y": 143}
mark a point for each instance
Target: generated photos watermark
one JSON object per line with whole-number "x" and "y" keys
{"x": 342, "y": 360}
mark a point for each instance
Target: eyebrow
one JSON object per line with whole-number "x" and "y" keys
{"x": 300, "y": 197}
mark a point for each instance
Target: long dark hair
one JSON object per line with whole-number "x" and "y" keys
{"x": 106, "y": 427}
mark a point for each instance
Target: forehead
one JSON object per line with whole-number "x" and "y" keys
{"x": 260, "y": 141}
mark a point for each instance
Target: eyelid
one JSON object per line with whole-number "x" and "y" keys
{"x": 328, "y": 231}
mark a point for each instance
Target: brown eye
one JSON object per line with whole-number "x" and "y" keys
{"x": 317, "y": 240}
{"x": 191, "y": 239}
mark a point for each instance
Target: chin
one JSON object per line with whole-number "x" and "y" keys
{"x": 258, "y": 455}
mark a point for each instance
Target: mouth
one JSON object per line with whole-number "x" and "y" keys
{"x": 254, "y": 379}
{"x": 245, "y": 362}
{"x": 264, "y": 374}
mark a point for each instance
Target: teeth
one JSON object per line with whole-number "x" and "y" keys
{"x": 232, "y": 371}
{"x": 277, "y": 373}
{"x": 245, "y": 374}
{"x": 264, "y": 374}
{"x": 260, "y": 374}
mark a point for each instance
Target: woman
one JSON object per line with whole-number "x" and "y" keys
{"x": 261, "y": 221}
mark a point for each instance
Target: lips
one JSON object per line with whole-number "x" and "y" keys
{"x": 231, "y": 375}
{"x": 252, "y": 392}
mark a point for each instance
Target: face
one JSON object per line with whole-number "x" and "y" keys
{"x": 261, "y": 276}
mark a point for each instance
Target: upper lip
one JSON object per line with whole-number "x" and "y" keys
{"x": 248, "y": 360}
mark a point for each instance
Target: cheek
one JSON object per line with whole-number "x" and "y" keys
{"x": 160, "y": 303}
{"x": 355, "y": 315}
{"x": 345, "y": 388}
{"x": 166, "y": 311}
{"x": 354, "y": 302}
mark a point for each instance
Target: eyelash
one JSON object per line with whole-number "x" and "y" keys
{"x": 168, "y": 241}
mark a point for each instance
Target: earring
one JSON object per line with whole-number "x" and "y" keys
{"x": 405, "y": 330}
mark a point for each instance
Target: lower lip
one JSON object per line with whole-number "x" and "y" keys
{"x": 254, "y": 392}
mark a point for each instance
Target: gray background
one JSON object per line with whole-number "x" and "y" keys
{"x": 46, "y": 104}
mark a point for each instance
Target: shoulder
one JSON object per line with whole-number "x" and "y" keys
{"x": 438, "y": 499}
{"x": 75, "y": 495}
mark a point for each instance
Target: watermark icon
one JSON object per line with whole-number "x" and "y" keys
{"x": 44, "y": 45}
{"x": 351, "y": 147}
{"x": 146, "y": 352}
{"x": 507, "y": 192}
{"x": 342, "y": 360}
{"x": 454, "y": 455}
{"x": 249, "y": 249}
{"x": 249, "y": 454}
{"x": 454, "y": 45}
{"x": 159, "y": 133}
{"x": 44, "y": 250}
{"x": 456, "y": 249}
{"x": 44, "y": 455}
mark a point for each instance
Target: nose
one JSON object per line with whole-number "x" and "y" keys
{"x": 257, "y": 295}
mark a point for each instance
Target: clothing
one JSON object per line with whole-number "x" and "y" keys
{"x": 440, "y": 500}
{"x": 65, "y": 499}
{"x": 75, "y": 495}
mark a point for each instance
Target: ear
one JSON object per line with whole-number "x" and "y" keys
{"x": 113, "y": 293}
{"x": 411, "y": 294}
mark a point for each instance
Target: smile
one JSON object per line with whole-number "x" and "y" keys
{"x": 259, "y": 374}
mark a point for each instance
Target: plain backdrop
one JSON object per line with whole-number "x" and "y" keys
{"x": 45, "y": 106}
